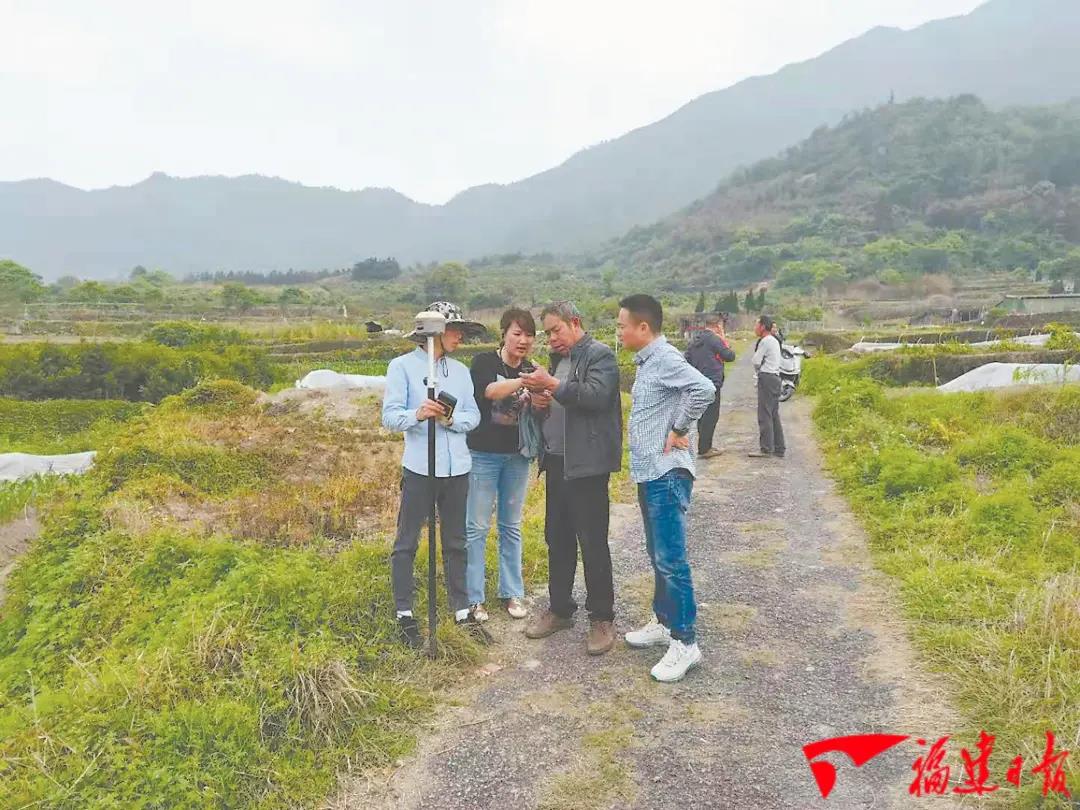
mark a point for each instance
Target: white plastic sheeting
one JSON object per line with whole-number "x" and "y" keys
{"x": 325, "y": 379}
{"x": 1024, "y": 340}
{"x": 20, "y": 466}
{"x": 867, "y": 347}
{"x": 1002, "y": 375}
{"x": 864, "y": 347}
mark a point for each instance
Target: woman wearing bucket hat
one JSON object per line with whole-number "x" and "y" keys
{"x": 406, "y": 408}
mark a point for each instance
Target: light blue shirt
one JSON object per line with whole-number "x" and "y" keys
{"x": 668, "y": 393}
{"x": 406, "y": 390}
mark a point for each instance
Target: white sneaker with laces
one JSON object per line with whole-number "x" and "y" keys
{"x": 516, "y": 608}
{"x": 677, "y": 661}
{"x": 653, "y": 634}
{"x": 479, "y": 612}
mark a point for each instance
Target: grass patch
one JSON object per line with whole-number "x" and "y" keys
{"x": 970, "y": 501}
{"x": 16, "y": 497}
{"x": 61, "y": 425}
{"x": 206, "y": 618}
{"x": 599, "y": 778}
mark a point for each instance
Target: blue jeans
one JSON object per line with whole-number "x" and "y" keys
{"x": 664, "y": 504}
{"x": 502, "y": 477}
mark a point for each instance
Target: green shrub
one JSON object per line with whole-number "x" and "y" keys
{"x": 1005, "y": 450}
{"x": 1063, "y": 337}
{"x": 1003, "y": 518}
{"x": 137, "y": 372}
{"x": 836, "y": 408}
{"x": 904, "y": 471}
{"x": 223, "y": 396}
{"x": 185, "y": 334}
{"x": 1059, "y": 483}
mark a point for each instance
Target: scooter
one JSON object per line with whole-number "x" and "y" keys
{"x": 791, "y": 358}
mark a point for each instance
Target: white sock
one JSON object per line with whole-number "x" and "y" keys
{"x": 461, "y": 615}
{"x": 401, "y": 614}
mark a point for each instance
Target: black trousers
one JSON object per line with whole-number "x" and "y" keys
{"x": 707, "y": 424}
{"x": 577, "y": 513}
{"x": 450, "y": 497}
{"x": 768, "y": 414}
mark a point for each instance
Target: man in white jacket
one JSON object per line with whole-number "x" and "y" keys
{"x": 767, "y": 366}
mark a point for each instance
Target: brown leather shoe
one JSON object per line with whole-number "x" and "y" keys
{"x": 601, "y": 637}
{"x": 547, "y": 624}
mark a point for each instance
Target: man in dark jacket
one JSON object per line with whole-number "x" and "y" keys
{"x": 708, "y": 351}
{"x": 582, "y": 446}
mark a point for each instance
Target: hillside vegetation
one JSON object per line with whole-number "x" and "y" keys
{"x": 924, "y": 187}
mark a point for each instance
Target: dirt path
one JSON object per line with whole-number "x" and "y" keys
{"x": 15, "y": 536}
{"x": 800, "y": 642}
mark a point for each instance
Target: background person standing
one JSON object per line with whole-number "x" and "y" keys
{"x": 708, "y": 351}
{"x": 582, "y": 447}
{"x": 767, "y": 365}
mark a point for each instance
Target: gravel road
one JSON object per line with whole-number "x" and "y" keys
{"x": 801, "y": 639}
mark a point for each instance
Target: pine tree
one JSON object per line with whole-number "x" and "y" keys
{"x": 700, "y": 302}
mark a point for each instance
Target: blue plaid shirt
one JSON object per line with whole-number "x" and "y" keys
{"x": 668, "y": 394}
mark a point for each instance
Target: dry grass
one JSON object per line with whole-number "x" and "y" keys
{"x": 331, "y": 474}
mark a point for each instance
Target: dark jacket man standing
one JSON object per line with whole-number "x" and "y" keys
{"x": 582, "y": 447}
{"x": 707, "y": 352}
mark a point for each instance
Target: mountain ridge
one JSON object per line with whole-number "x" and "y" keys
{"x": 1005, "y": 51}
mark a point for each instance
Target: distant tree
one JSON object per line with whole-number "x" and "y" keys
{"x": 1057, "y": 287}
{"x": 19, "y": 284}
{"x": 700, "y": 302}
{"x": 373, "y": 269}
{"x": 448, "y": 281}
{"x": 137, "y": 272}
{"x": 729, "y": 303}
{"x": 88, "y": 292}
{"x": 159, "y": 278}
{"x": 608, "y": 278}
{"x": 750, "y": 302}
{"x": 491, "y": 299}
{"x": 290, "y": 296}
{"x": 761, "y": 300}
{"x": 235, "y": 296}
{"x": 1067, "y": 267}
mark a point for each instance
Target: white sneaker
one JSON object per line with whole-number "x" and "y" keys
{"x": 677, "y": 661}
{"x": 479, "y": 612}
{"x": 516, "y": 608}
{"x": 653, "y": 634}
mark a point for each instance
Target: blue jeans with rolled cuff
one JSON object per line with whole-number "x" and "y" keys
{"x": 502, "y": 478}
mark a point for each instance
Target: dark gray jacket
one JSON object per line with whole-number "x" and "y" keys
{"x": 707, "y": 353}
{"x": 593, "y": 406}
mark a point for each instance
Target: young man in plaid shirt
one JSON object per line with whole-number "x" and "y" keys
{"x": 669, "y": 396}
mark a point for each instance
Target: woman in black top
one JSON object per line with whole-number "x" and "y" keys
{"x": 500, "y": 473}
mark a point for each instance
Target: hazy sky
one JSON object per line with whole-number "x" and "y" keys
{"x": 426, "y": 97}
